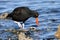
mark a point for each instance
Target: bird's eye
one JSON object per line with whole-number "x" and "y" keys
{"x": 36, "y": 14}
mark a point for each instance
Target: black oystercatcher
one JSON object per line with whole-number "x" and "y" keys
{"x": 21, "y": 14}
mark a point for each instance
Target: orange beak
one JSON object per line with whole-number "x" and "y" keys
{"x": 37, "y": 21}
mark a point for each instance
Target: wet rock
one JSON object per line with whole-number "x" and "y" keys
{"x": 3, "y": 16}
{"x": 57, "y": 34}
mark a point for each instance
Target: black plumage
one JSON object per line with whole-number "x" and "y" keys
{"x": 22, "y": 14}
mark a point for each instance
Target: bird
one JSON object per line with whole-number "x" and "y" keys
{"x": 21, "y": 14}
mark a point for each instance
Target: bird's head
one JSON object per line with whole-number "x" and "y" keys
{"x": 35, "y": 15}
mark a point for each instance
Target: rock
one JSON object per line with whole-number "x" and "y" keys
{"x": 3, "y": 16}
{"x": 22, "y": 36}
{"x": 57, "y": 34}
